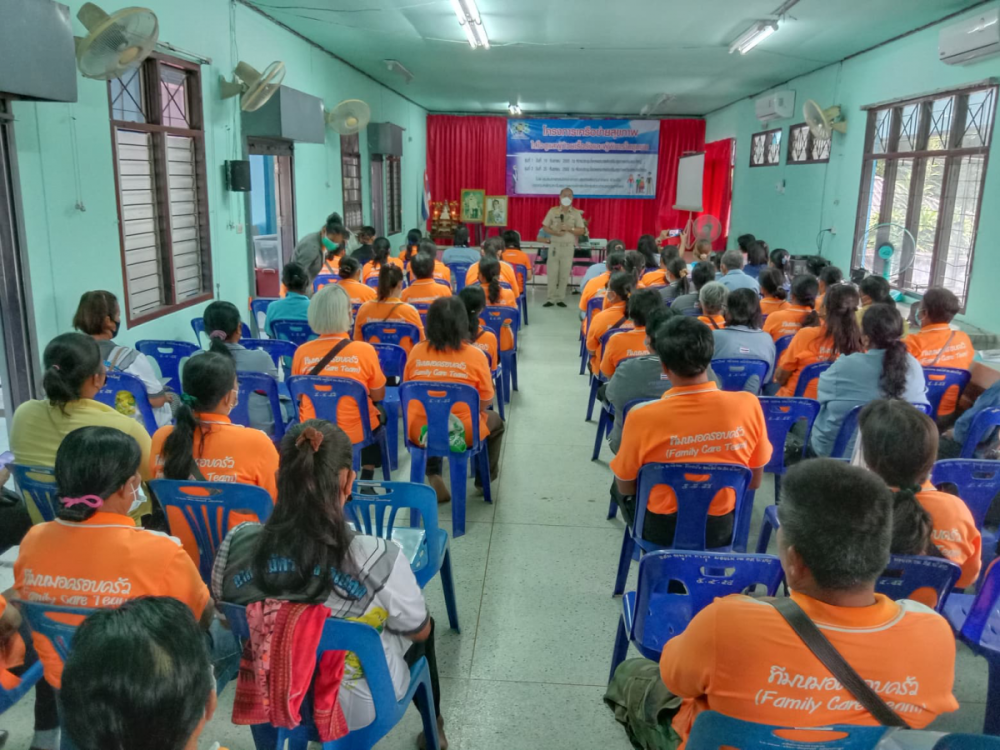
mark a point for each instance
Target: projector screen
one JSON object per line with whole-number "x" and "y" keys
{"x": 690, "y": 171}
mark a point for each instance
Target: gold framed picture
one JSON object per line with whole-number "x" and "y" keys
{"x": 496, "y": 210}
{"x": 473, "y": 206}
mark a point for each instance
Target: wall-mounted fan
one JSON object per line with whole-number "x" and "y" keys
{"x": 253, "y": 88}
{"x": 822, "y": 122}
{"x": 117, "y": 43}
{"x": 886, "y": 250}
{"x": 348, "y": 117}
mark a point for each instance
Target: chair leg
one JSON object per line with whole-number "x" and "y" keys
{"x": 392, "y": 426}
{"x": 448, "y": 584}
{"x": 500, "y": 402}
{"x": 458, "y": 464}
{"x": 594, "y": 385}
{"x": 992, "y": 724}
{"x": 601, "y": 431}
{"x": 383, "y": 444}
{"x": 621, "y": 648}
{"x": 484, "y": 474}
{"x": 507, "y": 374}
{"x": 765, "y": 533}
{"x": 425, "y": 704}
{"x": 513, "y": 369}
{"x": 583, "y": 356}
{"x": 612, "y": 510}
{"x": 624, "y": 562}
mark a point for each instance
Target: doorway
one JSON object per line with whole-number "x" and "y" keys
{"x": 271, "y": 208}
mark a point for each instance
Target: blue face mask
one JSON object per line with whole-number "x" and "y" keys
{"x": 330, "y": 245}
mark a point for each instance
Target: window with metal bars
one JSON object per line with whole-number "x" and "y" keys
{"x": 924, "y": 169}
{"x": 394, "y": 194}
{"x": 350, "y": 176}
{"x": 160, "y": 177}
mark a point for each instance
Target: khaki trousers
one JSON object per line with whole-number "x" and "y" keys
{"x": 558, "y": 269}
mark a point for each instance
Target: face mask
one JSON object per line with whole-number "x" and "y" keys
{"x": 137, "y": 501}
{"x": 330, "y": 244}
{"x": 567, "y": 202}
{"x": 118, "y": 327}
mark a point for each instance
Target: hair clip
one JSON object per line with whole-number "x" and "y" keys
{"x": 311, "y": 435}
{"x": 217, "y": 334}
{"x": 91, "y": 501}
{"x": 189, "y": 400}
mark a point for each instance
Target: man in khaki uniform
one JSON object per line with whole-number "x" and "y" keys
{"x": 565, "y": 224}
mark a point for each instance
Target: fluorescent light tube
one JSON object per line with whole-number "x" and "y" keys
{"x": 753, "y": 36}
{"x": 471, "y": 23}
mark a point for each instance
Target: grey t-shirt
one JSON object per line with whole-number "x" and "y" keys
{"x": 309, "y": 254}
{"x": 685, "y": 302}
{"x": 742, "y": 342}
{"x": 256, "y": 360}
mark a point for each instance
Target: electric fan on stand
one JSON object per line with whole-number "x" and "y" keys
{"x": 886, "y": 250}
{"x": 705, "y": 227}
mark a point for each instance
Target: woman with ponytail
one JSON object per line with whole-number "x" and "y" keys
{"x": 886, "y": 370}
{"x": 793, "y": 315}
{"x": 614, "y": 314}
{"x": 350, "y": 275}
{"x": 222, "y": 321}
{"x": 824, "y": 336}
{"x": 900, "y": 444}
{"x": 388, "y": 307}
{"x": 779, "y": 260}
{"x": 381, "y": 250}
{"x": 480, "y": 336}
{"x": 496, "y": 295}
{"x": 411, "y": 248}
{"x": 771, "y": 286}
{"x": 598, "y": 285}
{"x": 324, "y": 561}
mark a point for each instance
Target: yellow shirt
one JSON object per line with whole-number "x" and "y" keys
{"x": 38, "y": 430}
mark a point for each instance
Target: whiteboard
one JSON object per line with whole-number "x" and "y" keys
{"x": 690, "y": 172}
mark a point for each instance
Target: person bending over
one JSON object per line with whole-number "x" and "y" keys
{"x": 695, "y": 412}
{"x": 788, "y": 320}
{"x": 312, "y": 250}
{"x": 741, "y": 338}
{"x": 712, "y": 299}
{"x": 773, "y": 294}
{"x": 389, "y": 307}
{"x": 936, "y": 344}
{"x": 424, "y": 287}
{"x": 703, "y": 273}
{"x": 738, "y": 656}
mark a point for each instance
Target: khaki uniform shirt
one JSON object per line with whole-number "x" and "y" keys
{"x": 572, "y": 219}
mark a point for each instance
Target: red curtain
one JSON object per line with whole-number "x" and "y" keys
{"x": 717, "y": 186}
{"x": 471, "y": 152}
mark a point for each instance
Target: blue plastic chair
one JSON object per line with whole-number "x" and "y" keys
{"x": 323, "y": 279}
{"x": 653, "y": 614}
{"x": 375, "y": 515}
{"x": 496, "y": 319}
{"x": 977, "y": 482}
{"x": 365, "y": 643}
{"x": 118, "y": 381}
{"x": 734, "y": 373}
{"x": 207, "y": 515}
{"x": 458, "y": 273}
{"x": 597, "y": 378}
{"x": 594, "y": 305}
{"x": 966, "y": 742}
{"x": 695, "y": 486}
{"x": 976, "y": 620}
{"x": 845, "y": 435}
{"x": 939, "y": 379}
{"x": 692, "y": 312}
{"x": 780, "y": 415}
{"x": 42, "y": 492}
{"x": 390, "y": 332}
{"x": 605, "y": 424}
{"x": 392, "y": 360}
{"x": 258, "y": 311}
{"x": 422, "y": 308}
{"x": 372, "y": 282}
{"x": 713, "y": 731}
{"x": 907, "y": 574}
{"x": 198, "y": 326}
{"x": 260, "y": 383}
{"x": 60, "y": 634}
{"x": 521, "y": 271}
{"x": 326, "y": 393}
{"x": 296, "y": 331}
{"x": 29, "y": 678}
{"x": 168, "y": 356}
{"x": 779, "y": 347}
{"x": 808, "y": 375}
{"x": 438, "y": 400}
{"x": 982, "y": 426}
{"x": 280, "y": 352}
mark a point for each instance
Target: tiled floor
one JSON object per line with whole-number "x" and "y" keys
{"x": 534, "y": 574}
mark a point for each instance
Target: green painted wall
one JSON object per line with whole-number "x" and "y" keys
{"x": 64, "y": 155}
{"x": 826, "y": 195}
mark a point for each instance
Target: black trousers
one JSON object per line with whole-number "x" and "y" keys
{"x": 426, "y": 649}
{"x": 371, "y": 455}
{"x": 659, "y": 528}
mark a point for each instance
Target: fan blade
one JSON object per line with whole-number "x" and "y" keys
{"x": 91, "y": 16}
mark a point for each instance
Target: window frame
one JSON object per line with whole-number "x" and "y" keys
{"x": 355, "y": 155}
{"x": 393, "y": 179}
{"x": 952, "y": 154}
{"x": 767, "y": 136}
{"x": 153, "y": 104}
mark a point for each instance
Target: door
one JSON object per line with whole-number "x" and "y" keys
{"x": 271, "y": 203}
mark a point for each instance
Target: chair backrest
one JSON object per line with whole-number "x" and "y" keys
{"x": 60, "y": 634}
{"x": 982, "y": 426}
{"x": 443, "y": 282}
{"x": 438, "y": 399}
{"x": 633, "y": 403}
{"x": 372, "y": 282}
{"x": 258, "y": 310}
{"x": 594, "y": 305}
{"x": 198, "y": 326}
{"x": 521, "y": 272}
{"x": 117, "y": 382}
{"x": 846, "y": 432}
{"x": 296, "y": 331}
{"x": 325, "y": 394}
{"x": 939, "y": 379}
{"x": 323, "y": 279}
{"x": 808, "y": 375}
{"x": 713, "y": 731}
{"x": 967, "y": 742}
{"x": 977, "y": 482}
{"x": 206, "y": 507}
{"x": 780, "y": 345}
{"x": 168, "y": 356}
{"x": 39, "y": 483}
{"x": 390, "y": 332}
{"x": 392, "y": 359}
{"x": 662, "y": 613}
{"x": 780, "y": 415}
{"x": 907, "y": 574}
{"x": 692, "y": 312}
{"x": 497, "y": 318}
{"x": 276, "y": 349}
{"x": 458, "y": 273}
{"x": 982, "y": 626}
{"x": 695, "y": 486}
{"x": 734, "y": 373}
{"x": 422, "y": 308}
{"x": 257, "y": 382}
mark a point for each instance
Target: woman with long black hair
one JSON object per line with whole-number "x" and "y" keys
{"x": 381, "y": 249}
{"x": 388, "y": 307}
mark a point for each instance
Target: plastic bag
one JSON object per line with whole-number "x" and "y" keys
{"x": 456, "y": 435}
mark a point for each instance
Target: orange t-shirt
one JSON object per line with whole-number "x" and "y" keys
{"x": 786, "y": 320}
{"x": 330, "y": 265}
{"x": 739, "y": 657}
{"x": 369, "y": 269}
{"x": 717, "y": 322}
{"x": 468, "y": 365}
{"x": 807, "y": 347}
{"x": 624, "y": 345}
{"x": 358, "y": 292}
{"x": 393, "y": 309}
{"x": 441, "y": 271}
{"x": 507, "y": 299}
{"x": 936, "y": 345}
{"x": 506, "y": 274}
{"x": 486, "y": 341}
{"x": 101, "y": 562}
{"x": 653, "y": 278}
{"x": 425, "y": 292}
{"x": 358, "y": 361}
{"x": 592, "y": 287}
{"x": 770, "y": 305}
{"x": 11, "y": 655}
{"x": 225, "y": 452}
{"x": 517, "y": 258}
{"x": 955, "y": 533}
{"x": 613, "y": 317}
{"x": 693, "y": 424}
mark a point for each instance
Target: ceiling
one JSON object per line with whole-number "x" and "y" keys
{"x": 596, "y": 56}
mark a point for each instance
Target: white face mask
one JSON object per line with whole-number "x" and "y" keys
{"x": 566, "y": 202}
{"x": 137, "y": 500}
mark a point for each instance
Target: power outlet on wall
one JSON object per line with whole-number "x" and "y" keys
{"x": 239, "y": 229}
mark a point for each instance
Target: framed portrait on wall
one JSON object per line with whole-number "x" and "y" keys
{"x": 496, "y": 210}
{"x": 473, "y": 206}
